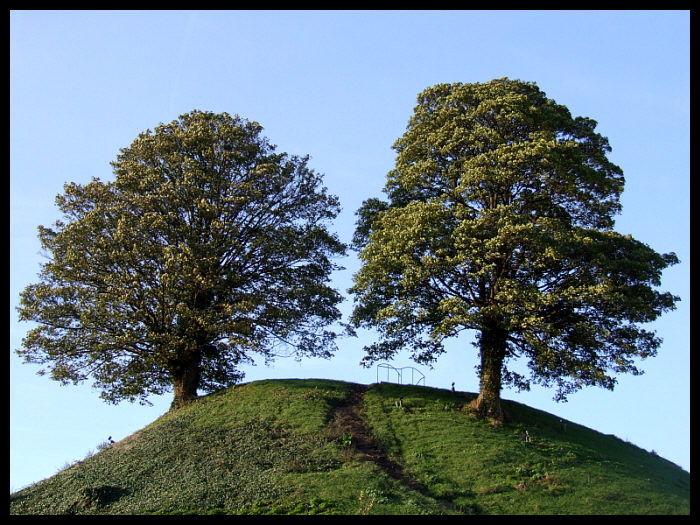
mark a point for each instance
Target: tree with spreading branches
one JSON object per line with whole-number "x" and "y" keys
{"x": 208, "y": 247}
{"x": 499, "y": 220}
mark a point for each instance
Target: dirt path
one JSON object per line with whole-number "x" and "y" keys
{"x": 348, "y": 417}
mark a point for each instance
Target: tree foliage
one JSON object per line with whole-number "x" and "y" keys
{"x": 207, "y": 248}
{"x": 499, "y": 219}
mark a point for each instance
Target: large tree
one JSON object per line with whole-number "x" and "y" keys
{"x": 208, "y": 247}
{"x": 499, "y": 220}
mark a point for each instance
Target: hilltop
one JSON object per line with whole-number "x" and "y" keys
{"x": 318, "y": 446}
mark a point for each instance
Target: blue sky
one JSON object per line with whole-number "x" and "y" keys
{"x": 341, "y": 86}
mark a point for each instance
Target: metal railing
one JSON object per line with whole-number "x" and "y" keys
{"x": 400, "y": 374}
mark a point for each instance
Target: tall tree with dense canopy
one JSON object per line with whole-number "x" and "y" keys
{"x": 207, "y": 248}
{"x": 499, "y": 220}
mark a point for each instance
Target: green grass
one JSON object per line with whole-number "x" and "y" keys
{"x": 287, "y": 447}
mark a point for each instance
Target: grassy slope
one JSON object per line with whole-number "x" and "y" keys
{"x": 323, "y": 446}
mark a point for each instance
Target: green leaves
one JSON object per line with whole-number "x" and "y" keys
{"x": 500, "y": 212}
{"x": 208, "y": 245}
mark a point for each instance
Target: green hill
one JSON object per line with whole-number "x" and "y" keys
{"x": 330, "y": 447}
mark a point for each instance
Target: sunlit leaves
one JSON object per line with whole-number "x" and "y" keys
{"x": 499, "y": 214}
{"x": 208, "y": 243}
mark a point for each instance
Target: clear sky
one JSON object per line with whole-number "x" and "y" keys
{"x": 341, "y": 86}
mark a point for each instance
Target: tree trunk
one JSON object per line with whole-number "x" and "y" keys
{"x": 185, "y": 376}
{"x": 492, "y": 347}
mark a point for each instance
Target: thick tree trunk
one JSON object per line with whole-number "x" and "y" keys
{"x": 185, "y": 376}
{"x": 492, "y": 347}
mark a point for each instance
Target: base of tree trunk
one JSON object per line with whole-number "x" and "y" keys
{"x": 489, "y": 407}
{"x": 181, "y": 401}
{"x": 185, "y": 376}
{"x": 185, "y": 390}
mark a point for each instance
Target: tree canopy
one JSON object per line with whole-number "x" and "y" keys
{"x": 208, "y": 247}
{"x": 499, "y": 219}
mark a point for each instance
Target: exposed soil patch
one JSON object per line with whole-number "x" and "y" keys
{"x": 346, "y": 415}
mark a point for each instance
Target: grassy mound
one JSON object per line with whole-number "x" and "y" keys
{"x": 331, "y": 447}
